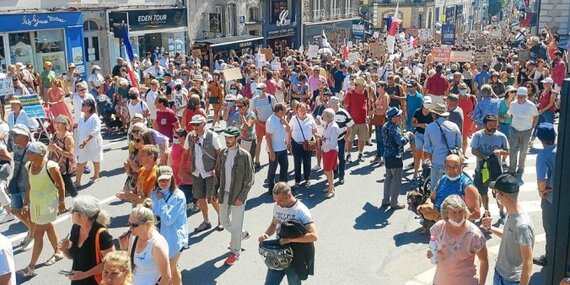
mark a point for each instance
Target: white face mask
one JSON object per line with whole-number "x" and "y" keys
{"x": 456, "y": 224}
{"x": 453, "y": 178}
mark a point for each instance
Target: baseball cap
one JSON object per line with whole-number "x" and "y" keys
{"x": 505, "y": 183}
{"x": 198, "y": 119}
{"x": 548, "y": 80}
{"x": 164, "y": 172}
{"x": 522, "y": 91}
{"x": 231, "y": 132}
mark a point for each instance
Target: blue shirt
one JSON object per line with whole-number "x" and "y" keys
{"x": 446, "y": 187}
{"x": 483, "y": 77}
{"x": 394, "y": 141}
{"x": 545, "y": 162}
{"x": 338, "y": 80}
{"x": 434, "y": 143}
{"x": 485, "y": 107}
{"x": 171, "y": 210}
{"x": 414, "y": 102}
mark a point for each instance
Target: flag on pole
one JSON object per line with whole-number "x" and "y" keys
{"x": 395, "y": 23}
{"x": 324, "y": 40}
{"x": 413, "y": 40}
{"x": 130, "y": 55}
{"x": 345, "y": 51}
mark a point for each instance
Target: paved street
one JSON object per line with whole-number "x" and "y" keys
{"x": 358, "y": 243}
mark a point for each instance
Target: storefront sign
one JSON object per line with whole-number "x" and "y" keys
{"x": 6, "y": 87}
{"x": 281, "y": 33}
{"x": 40, "y": 20}
{"x": 33, "y": 107}
{"x": 24, "y": 22}
{"x": 283, "y": 19}
{"x": 139, "y": 20}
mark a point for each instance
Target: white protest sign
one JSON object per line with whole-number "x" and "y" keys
{"x": 6, "y": 87}
{"x": 261, "y": 61}
{"x": 232, "y": 74}
{"x": 352, "y": 57}
{"x": 408, "y": 50}
{"x": 275, "y": 66}
{"x": 313, "y": 51}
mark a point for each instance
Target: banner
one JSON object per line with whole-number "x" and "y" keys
{"x": 6, "y": 87}
{"x": 33, "y": 107}
{"x": 313, "y": 51}
{"x": 441, "y": 54}
{"x": 352, "y": 57}
{"x": 448, "y": 34}
{"x": 461, "y": 56}
{"x": 232, "y": 74}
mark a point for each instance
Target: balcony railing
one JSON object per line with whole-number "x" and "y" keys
{"x": 319, "y": 14}
{"x": 403, "y": 2}
{"x": 336, "y": 13}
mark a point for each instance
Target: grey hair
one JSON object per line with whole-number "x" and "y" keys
{"x": 90, "y": 207}
{"x": 81, "y": 84}
{"x": 486, "y": 90}
{"x": 134, "y": 90}
{"x": 454, "y": 202}
{"x": 328, "y": 113}
{"x": 38, "y": 146}
{"x": 281, "y": 188}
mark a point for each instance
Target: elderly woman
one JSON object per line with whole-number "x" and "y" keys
{"x": 18, "y": 116}
{"x": 148, "y": 247}
{"x": 44, "y": 200}
{"x": 62, "y": 151}
{"x": 303, "y": 127}
{"x": 89, "y": 240}
{"x": 90, "y": 141}
{"x": 56, "y": 97}
{"x": 169, "y": 206}
{"x": 117, "y": 269}
{"x": 329, "y": 147}
{"x": 80, "y": 95}
{"x": 458, "y": 241}
{"x": 193, "y": 108}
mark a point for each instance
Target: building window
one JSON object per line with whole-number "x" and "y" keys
{"x": 232, "y": 20}
{"x": 253, "y": 14}
{"x": 217, "y": 20}
{"x": 348, "y": 8}
{"x": 420, "y": 20}
{"x": 90, "y": 25}
{"x": 39, "y": 47}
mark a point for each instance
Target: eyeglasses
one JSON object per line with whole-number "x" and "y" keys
{"x": 196, "y": 124}
{"x": 135, "y": 225}
{"x": 240, "y": 106}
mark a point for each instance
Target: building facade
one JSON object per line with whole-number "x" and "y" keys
{"x": 555, "y": 14}
{"x": 334, "y": 17}
{"x": 417, "y": 14}
{"x": 464, "y": 14}
{"x": 282, "y": 24}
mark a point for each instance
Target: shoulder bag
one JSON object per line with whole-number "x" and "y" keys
{"x": 308, "y": 145}
{"x": 456, "y": 151}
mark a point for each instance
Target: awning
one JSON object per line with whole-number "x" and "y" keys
{"x": 223, "y": 41}
{"x": 166, "y": 30}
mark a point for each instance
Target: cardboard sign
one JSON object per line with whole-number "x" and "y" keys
{"x": 268, "y": 53}
{"x": 461, "y": 56}
{"x": 441, "y": 54}
{"x": 33, "y": 107}
{"x": 275, "y": 66}
{"x": 523, "y": 55}
{"x": 232, "y": 73}
{"x": 196, "y": 53}
{"x": 6, "y": 87}
{"x": 408, "y": 50}
{"x": 448, "y": 34}
{"x": 377, "y": 50}
{"x": 313, "y": 51}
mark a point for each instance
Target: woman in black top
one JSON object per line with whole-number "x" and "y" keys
{"x": 422, "y": 117}
{"x": 89, "y": 223}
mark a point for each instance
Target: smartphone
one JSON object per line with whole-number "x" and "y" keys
{"x": 65, "y": 272}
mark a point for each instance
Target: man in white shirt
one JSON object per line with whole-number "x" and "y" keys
{"x": 205, "y": 147}
{"x": 524, "y": 118}
{"x": 278, "y": 134}
{"x": 7, "y": 268}
{"x": 136, "y": 104}
{"x": 151, "y": 98}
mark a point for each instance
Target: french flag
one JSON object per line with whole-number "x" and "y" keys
{"x": 345, "y": 51}
{"x": 395, "y": 23}
{"x": 130, "y": 55}
{"x": 413, "y": 40}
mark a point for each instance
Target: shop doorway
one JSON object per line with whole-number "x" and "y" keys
{"x": 148, "y": 42}
{"x": 91, "y": 44}
{"x": 279, "y": 45}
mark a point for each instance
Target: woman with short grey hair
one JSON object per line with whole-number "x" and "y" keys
{"x": 329, "y": 147}
{"x": 458, "y": 241}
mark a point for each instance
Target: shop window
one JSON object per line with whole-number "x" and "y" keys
{"x": 253, "y": 14}
{"x": 21, "y": 48}
{"x": 217, "y": 21}
{"x": 232, "y": 20}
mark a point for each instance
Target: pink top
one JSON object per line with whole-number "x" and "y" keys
{"x": 457, "y": 254}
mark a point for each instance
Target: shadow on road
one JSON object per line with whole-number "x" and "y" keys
{"x": 119, "y": 221}
{"x": 262, "y": 198}
{"x": 112, "y": 172}
{"x": 414, "y": 236}
{"x": 372, "y": 218}
{"x": 205, "y": 273}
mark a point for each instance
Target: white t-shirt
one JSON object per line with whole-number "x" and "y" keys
{"x": 77, "y": 102}
{"x": 229, "y": 165}
{"x": 199, "y": 170}
{"x": 150, "y": 98}
{"x": 96, "y": 78}
{"x": 297, "y": 211}
{"x": 7, "y": 259}
{"x": 139, "y": 107}
{"x": 180, "y": 100}
{"x": 522, "y": 115}
{"x": 278, "y": 133}
{"x": 307, "y": 126}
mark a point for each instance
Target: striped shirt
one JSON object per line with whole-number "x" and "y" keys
{"x": 344, "y": 121}
{"x": 263, "y": 107}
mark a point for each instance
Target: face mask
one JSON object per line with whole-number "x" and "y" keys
{"x": 176, "y": 141}
{"x": 234, "y": 91}
{"x": 184, "y": 77}
{"x": 453, "y": 178}
{"x": 230, "y": 104}
{"x": 456, "y": 224}
{"x": 258, "y": 92}
{"x": 463, "y": 91}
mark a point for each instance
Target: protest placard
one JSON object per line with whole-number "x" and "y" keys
{"x": 441, "y": 54}
{"x": 232, "y": 73}
{"x": 33, "y": 107}
{"x": 352, "y": 57}
{"x": 313, "y": 51}
{"x": 196, "y": 53}
{"x": 523, "y": 55}
{"x": 6, "y": 87}
{"x": 408, "y": 50}
{"x": 461, "y": 56}
{"x": 275, "y": 66}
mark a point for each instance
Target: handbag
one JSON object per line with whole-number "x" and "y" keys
{"x": 130, "y": 185}
{"x": 456, "y": 151}
{"x": 308, "y": 145}
{"x": 378, "y": 120}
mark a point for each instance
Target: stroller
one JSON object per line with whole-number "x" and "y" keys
{"x": 106, "y": 111}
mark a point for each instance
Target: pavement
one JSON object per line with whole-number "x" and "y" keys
{"x": 358, "y": 242}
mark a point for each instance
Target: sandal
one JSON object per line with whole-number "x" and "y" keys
{"x": 94, "y": 179}
{"x": 53, "y": 259}
{"x": 329, "y": 195}
{"x": 77, "y": 185}
{"x": 27, "y": 272}
{"x": 219, "y": 228}
{"x": 202, "y": 227}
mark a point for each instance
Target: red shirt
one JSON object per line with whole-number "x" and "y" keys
{"x": 356, "y": 106}
{"x": 176, "y": 153}
{"x": 545, "y": 99}
{"x": 189, "y": 114}
{"x": 165, "y": 121}
{"x": 437, "y": 84}
{"x": 558, "y": 72}
{"x": 270, "y": 86}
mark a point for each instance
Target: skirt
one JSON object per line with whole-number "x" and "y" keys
{"x": 330, "y": 160}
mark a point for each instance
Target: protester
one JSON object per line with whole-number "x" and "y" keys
{"x": 345, "y": 124}
{"x": 504, "y": 114}
{"x": 455, "y": 113}
{"x": 394, "y": 142}
{"x": 437, "y": 86}
{"x": 467, "y": 103}
{"x": 90, "y": 142}
{"x": 356, "y": 103}
{"x": 524, "y": 119}
{"x": 421, "y": 119}
{"x": 489, "y": 105}
{"x": 117, "y": 269}
{"x": 56, "y": 102}
{"x": 329, "y": 146}
{"x": 17, "y": 115}
{"x": 278, "y": 133}
{"x": 303, "y": 127}
{"x": 7, "y": 267}
{"x": 263, "y": 106}
{"x": 62, "y": 150}
{"x": 379, "y": 118}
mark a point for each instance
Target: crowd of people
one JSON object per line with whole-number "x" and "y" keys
{"x": 327, "y": 107}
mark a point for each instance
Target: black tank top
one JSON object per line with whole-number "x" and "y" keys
{"x": 394, "y": 90}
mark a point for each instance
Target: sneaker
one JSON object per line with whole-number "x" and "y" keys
{"x": 317, "y": 168}
{"x": 27, "y": 243}
{"x": 360, "y": 156}
{"x": 348, "y": 158}
{"x": 203, "y": 227}
{"x": 398, "y": 206}
{"x": 245, "y": 235}
{"x": 232, "y": 259}
{"x": 86, "y": 170}
{"x": 540, "y": 261}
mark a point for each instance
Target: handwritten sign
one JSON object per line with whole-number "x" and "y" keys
{"x": 461, "y": 56}
{"x": 352, "y": 57}
{"x": 196, "y": 53}
{"x": 313, "y": 51}
{"x": 408, "y": 50}
{"x": 275, "y": 65}
{"x": 441, "y": 54}
{"x": 6, "y": 87}
{"x": 232, "y": 74}
{"x": 33, "y": 107}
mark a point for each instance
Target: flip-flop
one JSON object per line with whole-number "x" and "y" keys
{"x": 93, "y": 179}
{"x": 27, "y": 272}
{"x": 53, "y": 259}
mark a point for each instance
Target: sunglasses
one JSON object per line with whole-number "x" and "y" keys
{"x": 196, "y": 124}
{"x": 136, "y": 225}
{"x": 137, "y": 140}
{"x": 81, "y": 89}
{"x": 240, "y": 106}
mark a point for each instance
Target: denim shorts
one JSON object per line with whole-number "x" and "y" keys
{"x": 419, "y": 141}
{"x": 17, "y": 200}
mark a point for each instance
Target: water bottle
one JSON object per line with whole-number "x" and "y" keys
{"x": 433, "y": 249}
